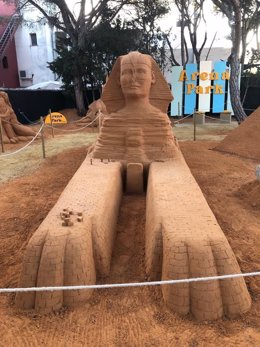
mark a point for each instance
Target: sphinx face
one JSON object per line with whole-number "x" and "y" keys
{"x": 136, "y": 76}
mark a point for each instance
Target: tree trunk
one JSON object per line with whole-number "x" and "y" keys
{"x": 79, "y": 95}
{"x": 239, "y": 113}
{"x": 182, "y": 34}
{"x": 236, "y": 35}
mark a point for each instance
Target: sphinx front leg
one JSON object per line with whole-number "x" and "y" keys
{"x": 75, "y": 240}
{"x": 191, "y": 244}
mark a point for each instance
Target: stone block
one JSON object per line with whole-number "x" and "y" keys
{"x": 199, "y": 117}
{"x": 225, "y": 117}
{"x": 134, "y": 178}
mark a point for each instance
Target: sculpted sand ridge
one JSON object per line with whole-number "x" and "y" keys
{"x": 125, "y": 130}
{"x": 183, "y": 238}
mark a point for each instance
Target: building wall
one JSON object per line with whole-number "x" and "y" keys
{"x": 9, "y": 76}
{"x": 33, "y": 59}
{"x": 6, "y": 9}
{"x": 215, "y": 54}
{"x": 8, "y": 73}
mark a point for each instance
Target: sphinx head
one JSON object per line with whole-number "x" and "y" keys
{"x": 136, "y": 75}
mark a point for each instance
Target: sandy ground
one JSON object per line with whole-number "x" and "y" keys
{"x": 135, "y": 316}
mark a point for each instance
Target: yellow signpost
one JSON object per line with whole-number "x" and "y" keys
{"x": 55, "y": 118}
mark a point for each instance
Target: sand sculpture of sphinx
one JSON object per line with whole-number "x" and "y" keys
{"x": 183, "y": 238}
{"x": 13, "y": 131}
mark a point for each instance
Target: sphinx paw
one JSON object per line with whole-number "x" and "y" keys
{"x": 206, "y": 300}
{"x": 60, "y": 257}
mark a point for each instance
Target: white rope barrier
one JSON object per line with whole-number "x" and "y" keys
{"x": 212, "y": 118}
{"x": 125, "y": 285}
{"x": 21, "y": 149}
{"x": 79, "y": 120}
{"x": 78, "y": 129}
{"x": 179, "y": 120}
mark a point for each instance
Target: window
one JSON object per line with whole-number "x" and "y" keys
{"x": 22, "y": 74}
{"x": 5, "y": 62}
{"x": 33, "y": 39}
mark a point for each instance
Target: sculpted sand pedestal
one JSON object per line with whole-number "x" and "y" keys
{"x": 182, "y": 237}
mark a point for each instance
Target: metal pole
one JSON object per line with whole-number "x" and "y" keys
{"x": 194, "y": 126}
{"x": 1, "y": 136}
{"x": 42, "y": 137}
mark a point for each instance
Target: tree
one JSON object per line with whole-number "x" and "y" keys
{"x": 104, "y": 44}
{"x": 232, "y": 10}
{"x": 152, "y": 39}
{"x": 78, "y": 27}
{"x": 107, "y": 40}
{"x": 192, "y": 13}
{"x": 250, "y": 21}
{"x": 191, "y": 17}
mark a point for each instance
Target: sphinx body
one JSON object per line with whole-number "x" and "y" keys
{"x": 182, "y": 236}
{"x": 128, "y": 136}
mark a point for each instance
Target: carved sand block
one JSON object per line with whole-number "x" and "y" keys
{"x": 75, "y": 240}
{"x": 134, "y": 178}
{"x": 184, "y": 240}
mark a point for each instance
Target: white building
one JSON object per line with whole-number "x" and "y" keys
{"x": 35, "y": 45}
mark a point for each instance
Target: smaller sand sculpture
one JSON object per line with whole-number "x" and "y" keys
{"x": 13, "y": 131}
{"x": 95, "y": 115}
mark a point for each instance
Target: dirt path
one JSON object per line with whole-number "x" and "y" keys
{"x": 128, "y": 256}
{"x": 134, "y": 316}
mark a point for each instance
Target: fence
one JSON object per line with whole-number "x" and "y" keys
{"x": 30, "y": 105}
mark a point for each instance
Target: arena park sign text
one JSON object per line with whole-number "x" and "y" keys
{"x": 55, "y": 118}
{"x": 203, "y": 76}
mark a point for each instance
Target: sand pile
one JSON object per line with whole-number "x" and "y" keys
{"x": 70, "y": 114}
{"x": 250, "y": 193}
{"x": 245, "y": 139}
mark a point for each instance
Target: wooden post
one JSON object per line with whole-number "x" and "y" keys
{"x": 2, "y": 136}
{"x": 194, "y": 126}
{"x": 52, "y": 130}
{"x": 42, "y": 137}
{"x": 99, "y": 121}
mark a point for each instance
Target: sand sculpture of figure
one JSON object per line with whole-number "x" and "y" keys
{"x": 13, "y": 130}
{"x": 96, "y": 112}
{"x": 182, "y": 236}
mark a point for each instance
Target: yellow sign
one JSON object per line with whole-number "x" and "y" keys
{"x": 55, "y": 118}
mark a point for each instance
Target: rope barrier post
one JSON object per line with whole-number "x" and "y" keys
{"x": 42, "y": 137}
{"x": 1, "y": 136}
{"x": 52, "y": 129}
{"x": 99, "y": 121}
{"x": 178, "y": 109}
{"x": 194, "y": 125}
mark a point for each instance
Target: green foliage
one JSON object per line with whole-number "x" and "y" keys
{"x": 105, "y": 42}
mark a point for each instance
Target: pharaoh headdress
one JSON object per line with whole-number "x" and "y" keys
{"x": 112, "y": 96}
